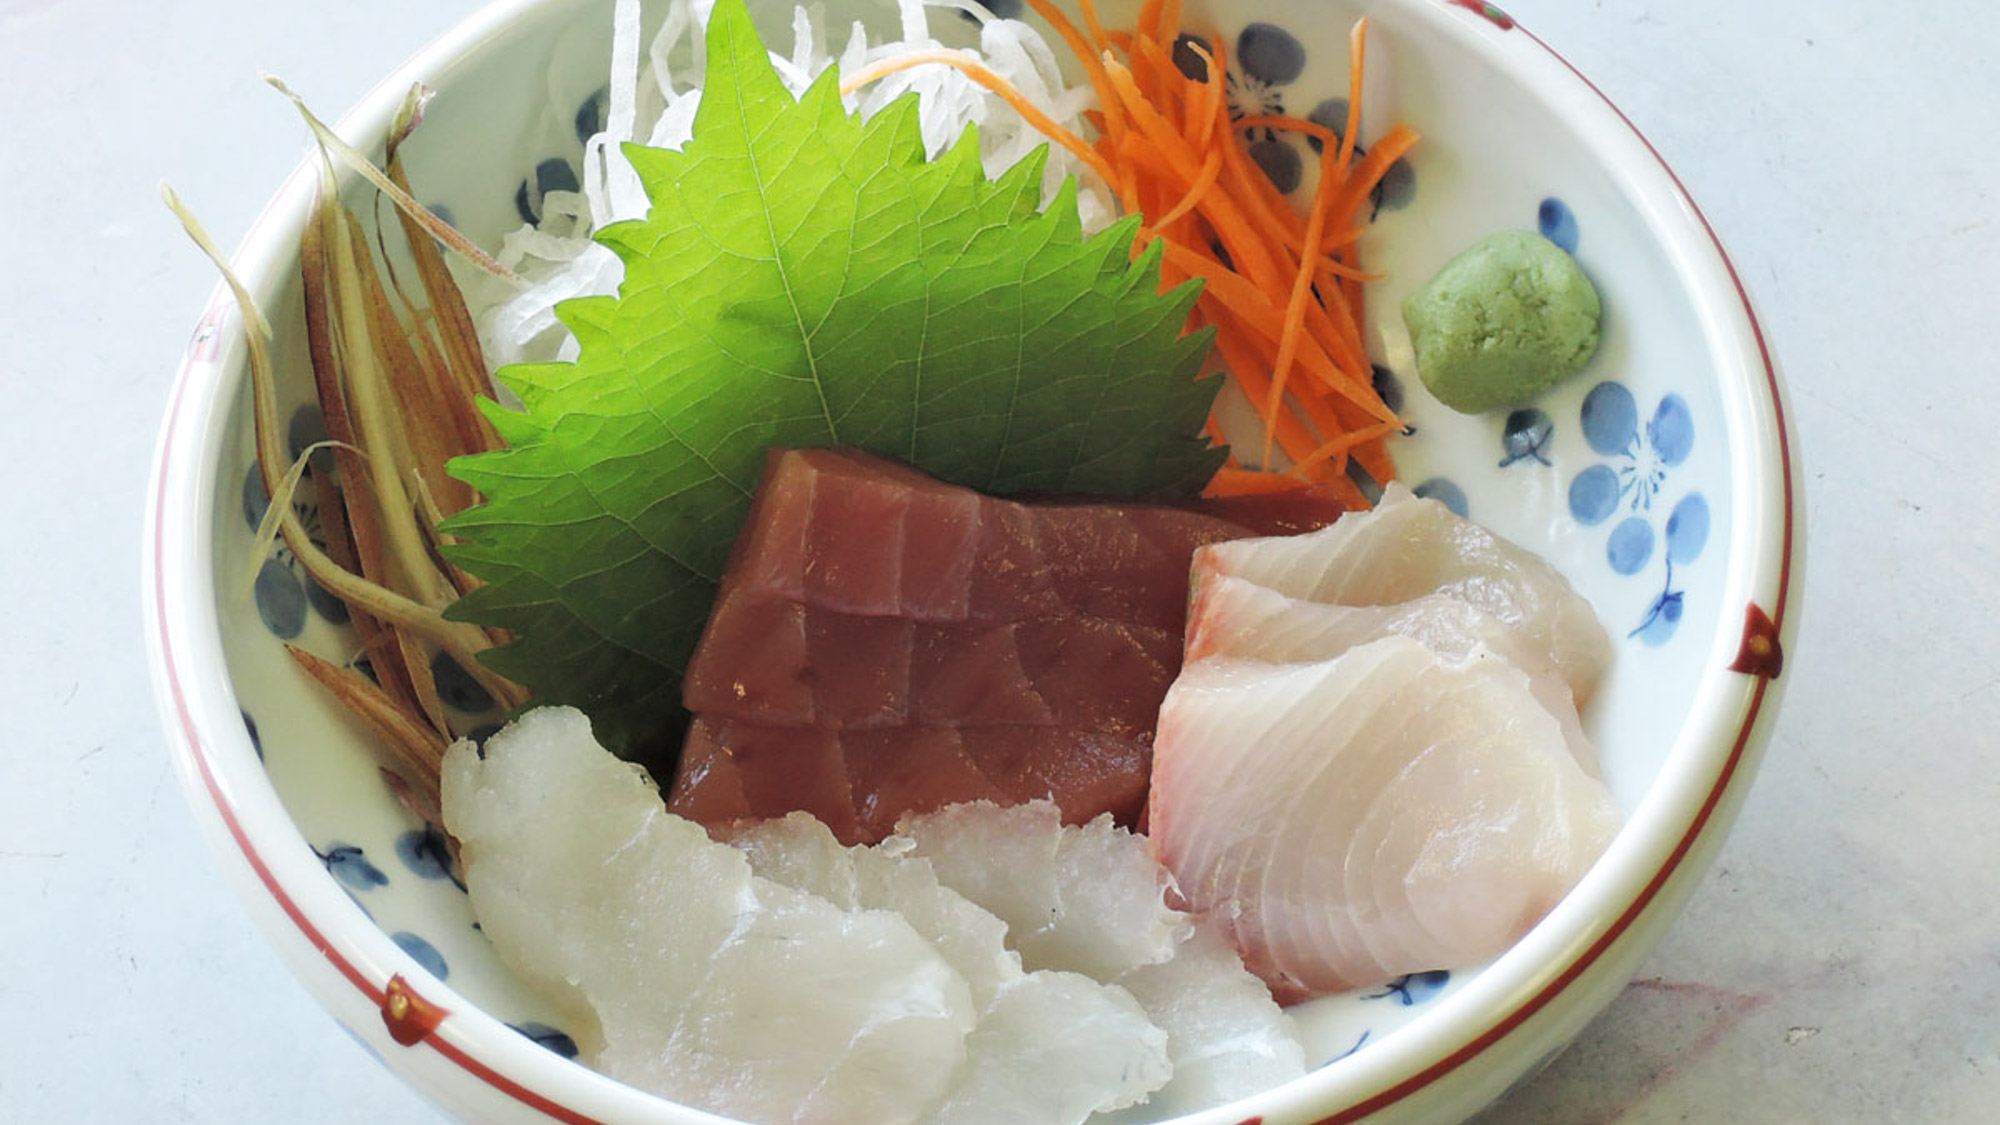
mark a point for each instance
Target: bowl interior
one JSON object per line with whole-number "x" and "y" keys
{"x": 1630, "y": 477}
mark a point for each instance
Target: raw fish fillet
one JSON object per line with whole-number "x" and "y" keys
{"x": 1235, "y": 618}
{"x": 1408, "y": 548}
{"x": 1088, "y": 899}
{"x": 694, "y": 979}
{"x": 800, "y": 852}
{"x": 1383, "y": 812}
{"x": 885, "y": 643}
{"x": 861, "y": 782}
{"x": 1043, "y": 1051}
{"x": 1226, "y": 1037}
{"x": 1049, "y": 1048}
{"x": 1091, "y": 899}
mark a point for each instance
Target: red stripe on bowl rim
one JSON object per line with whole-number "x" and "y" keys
{"x": 375, "y": 991}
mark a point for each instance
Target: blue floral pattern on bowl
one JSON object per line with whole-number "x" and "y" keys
{"x": 1266, "y": 60}
{"x": 1634, "y": 478}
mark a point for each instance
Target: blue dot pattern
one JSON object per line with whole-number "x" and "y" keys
{"x": 423, "y": 953}
{"x": 350, "y": 865}
{"x": 1398, "y": 185}
{"x": 325, "y": 604}
{"x": 1526, "y": 435}
{"x": 307, "y": 429}
{"x": 255, "y": 500}
{"x": 1330, "y": 115}
{"x": 548, "y": 1037}
{"x": 592, "y": 114}
{"x": 553, "y": 174}
{"x": 1270, "y": 54}
{"x": 1671, "y": 432}
{"x": 1446, "y": 493}
{"x": 1687, "y": 529}
{"x": 1660, "y": 622}
{"x": 1280, "y": 161}
{"x": 281, "y": 599}
{"x": 1593, "y": 495}
{"x": 1630, "y": 547}
{"x": 1190, "y": 61}
{"x": 1610, "y": 418}
{"x": 1557, "y": 223}
{"x": 250, "y": 725}
{"x": 457, "y": 688}
{"x": 426, "y": 852}
{"x": 281, "y": 591}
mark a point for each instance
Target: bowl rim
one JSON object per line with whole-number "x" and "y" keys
{"x": 1702, "y": 778}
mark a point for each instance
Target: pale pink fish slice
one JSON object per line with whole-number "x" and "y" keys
{"x": 1400, "y": 812}
{"x": 1236, "y": 618}
{"x": 1408, "y": 548}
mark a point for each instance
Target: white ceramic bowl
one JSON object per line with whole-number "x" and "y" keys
{"x": 1661, "y": 481}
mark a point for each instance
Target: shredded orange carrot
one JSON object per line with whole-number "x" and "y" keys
{"x": 1295, "y": 305}
{"x": 1283, "y": 290}
{"x": 1313, "y": 129}
{"x": 1233, "y": 480}
{"x": 1204, "y": 180}
{"x": 1215, "y": 104}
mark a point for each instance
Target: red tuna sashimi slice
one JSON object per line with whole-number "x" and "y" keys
{"x": 844, "y": 530}
{"x": 836, "y": 671}
{"x": 1410, "y": 813}
{"x": 859, "y": 783}
{"x": 1407, "y": 548}
{"x": 731, "y": 771}
{"x": 864, "y": 598}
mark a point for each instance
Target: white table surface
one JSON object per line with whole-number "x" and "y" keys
{"x": 1840, "y": 963}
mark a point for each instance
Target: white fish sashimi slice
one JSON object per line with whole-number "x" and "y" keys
{"x": 1275, "y": 730}
{"x": 704, "y": 983}
{"x": 1236, "y": 618}
{"x": 811, "y": 1014}
{"x": 1483, "y": 883}
{"x": 1049, "y": 1048}
{"x": 1412, "y": 813}
{"x": 1054, "y": 1049}
{"x": 1088, "y": 899}
{"x": 801, "y": 852}
{"x": 539, "y": 859}
{"x": 1226, "y": 1037}
{"x": 1408, "y": 547}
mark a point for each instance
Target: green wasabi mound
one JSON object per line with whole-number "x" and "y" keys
{"x": 1504, "y": 321}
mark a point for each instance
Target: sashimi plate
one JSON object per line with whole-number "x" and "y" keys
{"x": 1660, "y": 481}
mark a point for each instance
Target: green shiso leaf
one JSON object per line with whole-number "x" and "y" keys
{"x": 805, "y": 279}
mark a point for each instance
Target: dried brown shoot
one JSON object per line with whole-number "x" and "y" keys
{"x": 414, "y": 750}
{"x": 363, "y": 167}
{"x": 397, "y": 382}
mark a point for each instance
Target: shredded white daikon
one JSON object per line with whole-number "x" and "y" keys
{"x": 652, "y": 96}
